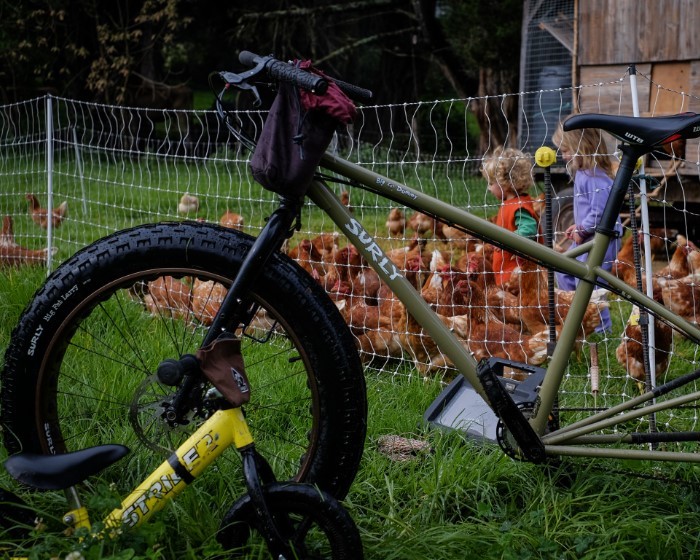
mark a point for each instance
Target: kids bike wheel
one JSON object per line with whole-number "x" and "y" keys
{"x": 311, "y": 523}
{"x": 80, "y": 366}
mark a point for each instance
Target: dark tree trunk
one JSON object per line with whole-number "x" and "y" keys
{"x": 450, "y": 64}
{"x": 497, "y": 115}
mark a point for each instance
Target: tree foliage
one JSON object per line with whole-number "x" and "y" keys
{"x": 404, "y": 50}
{"x": 86, "y": 48}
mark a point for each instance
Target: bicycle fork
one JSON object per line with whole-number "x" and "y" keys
{"x": 235, "y": 309}
{"x": 278, "y": 228}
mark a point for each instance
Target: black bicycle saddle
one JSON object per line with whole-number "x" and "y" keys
{"x": 56, "y": 472}
{"x": 646, "y": 132}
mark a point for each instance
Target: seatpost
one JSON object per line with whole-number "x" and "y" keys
{"x": 630, "y": 155}
{"x": 278, "y": 228}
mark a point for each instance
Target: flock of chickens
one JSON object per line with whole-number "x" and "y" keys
{"x": 189, "y": 298}
{"x": 454, "y": 277}
{"x": 14, "y": 254}
{"x": 676, "y": 286}
{"x": 452, "y": 272}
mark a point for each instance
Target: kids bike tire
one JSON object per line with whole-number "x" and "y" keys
{"x": 311, "y": 522}
{"x": 79, "y": 368}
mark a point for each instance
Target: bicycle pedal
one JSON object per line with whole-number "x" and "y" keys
{"x": 529, "y": 443}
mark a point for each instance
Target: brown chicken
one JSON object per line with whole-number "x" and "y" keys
{"x": 413, "y": 260}
{"x": 7, "y": 235}
{"x": 326, "y": 244}
{"x": 367, "y": 284}
{"x": 206, "y": 299}
{"x": 12, "y": 254}
{"x": 310, "y": 258}
{"x": 422, "y": 223}
{"x": 40, "y": 216}
{"x": 459, "y": 240}
{"x": 395, "y": 222}
{"x": 440, "y": 272}
{"x": 503, "y": 304}
{"x": 630, "y": 351}
{"x": 232, "y": 220}
{"x": 682, "y": 296}
{"x": 693, "y": 257}
{"x": 346, "y": 266}
{"x": 169, "y": 297}
{"x": 534, "y": 297}
{"x": 678, "y": 266}
{"x": 482, "y": 336}
{"x": 345, "y": 199}
{"x": 625, "y": 269}
{"x": 376, "y": 332}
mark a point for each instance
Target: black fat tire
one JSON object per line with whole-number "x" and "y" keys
{"x": 34, "y": 374}
{"x": 325, "y": 514}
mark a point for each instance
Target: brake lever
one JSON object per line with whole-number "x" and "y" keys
{"x": 240, "y": 81}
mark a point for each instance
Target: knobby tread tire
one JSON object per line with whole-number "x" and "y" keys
{"x": 75, "y": 286}
{"x": 301, "y": 499}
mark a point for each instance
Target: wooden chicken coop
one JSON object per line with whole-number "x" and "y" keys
{"x": 576, "y": 54}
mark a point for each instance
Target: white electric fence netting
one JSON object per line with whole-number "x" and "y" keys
{"x": 74, "y": 171}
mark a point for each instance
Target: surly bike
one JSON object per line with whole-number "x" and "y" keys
{"x": 85, "y": 355}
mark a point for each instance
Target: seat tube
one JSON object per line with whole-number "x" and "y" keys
{"x": 618, "y": 191}
{"x": 572, "y": 325}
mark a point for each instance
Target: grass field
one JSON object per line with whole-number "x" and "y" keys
{"x": 457, "y": 500}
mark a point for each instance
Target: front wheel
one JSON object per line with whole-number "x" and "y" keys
{"x": 311, "y": 523}
{"x": 80, "y": 367}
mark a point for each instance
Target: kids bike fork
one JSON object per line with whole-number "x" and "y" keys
{"x": 235, "y": 309}
{"x": 278, "y": 228}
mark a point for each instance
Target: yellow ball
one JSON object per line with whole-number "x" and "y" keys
{"x": 545, "y": 156}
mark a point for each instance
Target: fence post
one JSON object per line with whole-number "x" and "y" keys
{"x": 646, "y": 320}
{"x": 647, "y": 239}
{"x": 49, "y": 182}
{"x": 79, "y": 163}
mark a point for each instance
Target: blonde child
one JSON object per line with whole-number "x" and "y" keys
{"x": 590, "y": 165}
{"x": 509, "y": 175}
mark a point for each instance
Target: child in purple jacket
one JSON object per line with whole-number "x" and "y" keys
{"x": 591, "y": 167}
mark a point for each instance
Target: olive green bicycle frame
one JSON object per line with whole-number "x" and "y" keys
{"x": 576, "y": 439}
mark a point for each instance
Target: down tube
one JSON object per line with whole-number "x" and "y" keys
{"x": 397, "y": 282}
{"x": 222, "y": 429}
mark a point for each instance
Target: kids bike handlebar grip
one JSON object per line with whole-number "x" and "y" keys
{"x": 285, "y": 72}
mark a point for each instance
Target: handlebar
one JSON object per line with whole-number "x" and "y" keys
{"x": 285, "y": 72}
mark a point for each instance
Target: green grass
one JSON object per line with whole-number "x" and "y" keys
{"x": 460, "y": 500}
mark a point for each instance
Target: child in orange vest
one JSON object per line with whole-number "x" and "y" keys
{"x": 509, "y": 175}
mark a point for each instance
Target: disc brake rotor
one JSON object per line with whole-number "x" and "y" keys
{"x": 147, "y": 417}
